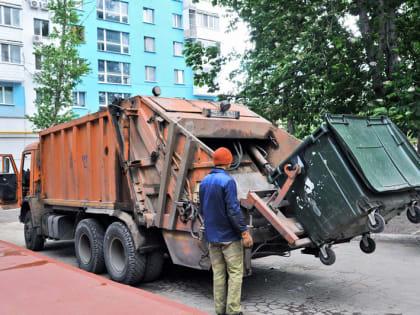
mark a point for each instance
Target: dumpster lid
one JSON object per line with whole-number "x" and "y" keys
{"x": 378, "y": 150}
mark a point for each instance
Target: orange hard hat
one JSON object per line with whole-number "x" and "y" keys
{"x": 222, "y": 156}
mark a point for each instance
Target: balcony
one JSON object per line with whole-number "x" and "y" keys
{"x": 11, "y": 72}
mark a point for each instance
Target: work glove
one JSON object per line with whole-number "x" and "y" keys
{"x": 247, "y": 239}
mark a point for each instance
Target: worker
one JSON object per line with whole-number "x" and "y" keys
{"x": 226, "y": 233}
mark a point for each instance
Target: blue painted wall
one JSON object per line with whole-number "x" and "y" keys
{"x": 18, "y": 109}
{"x": 163, "y": 59}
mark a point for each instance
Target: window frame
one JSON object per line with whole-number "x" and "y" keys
{"x": 105, "y": 73}
{"x": 145, "y": 9}
{"x": 105, "y": 43}
{"x": 106, "y": 94}
{"x": 12, "y": 17}
{"x": 176, "y": 77}
{"x": 208, "y": 17}
{"x": 146, "y": 77}
{"x": 41, "y": 28}
{"x": 153, "y": 41}
{"x": 77, "y": 104}
{"x": 175, "y": 21}
{"x": 9, "y": 54}
{"x": 104, "y": 12}
{"x": 174, "y": 50}
{"x": 3, "y": 95}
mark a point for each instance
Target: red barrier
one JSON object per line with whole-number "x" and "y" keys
{"x": 31, "y": 283}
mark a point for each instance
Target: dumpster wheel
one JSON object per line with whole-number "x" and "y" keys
{"x": 326, "y": 255}
{"x": 376, "y": 222}
{"x": 413, "y": 214}
{"x": 367, "y": 244}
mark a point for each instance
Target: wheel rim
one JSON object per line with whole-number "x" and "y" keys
{"x": 117, "y": 255}
{"x": 85, "y": 249}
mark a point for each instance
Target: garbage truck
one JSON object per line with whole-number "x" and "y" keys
{"x": 123, "y": 183}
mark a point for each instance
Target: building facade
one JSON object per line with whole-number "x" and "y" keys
{"x": 130, "y": 46}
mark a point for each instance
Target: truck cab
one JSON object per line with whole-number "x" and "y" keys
{"x": 16, "y": 184}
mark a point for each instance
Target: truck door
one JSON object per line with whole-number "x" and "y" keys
{"x": 8, "y": 180}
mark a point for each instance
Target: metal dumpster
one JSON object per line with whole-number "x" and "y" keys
{"x": 356, "y": 173}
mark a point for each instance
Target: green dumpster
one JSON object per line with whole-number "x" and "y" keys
{"x": 357, "y": 173}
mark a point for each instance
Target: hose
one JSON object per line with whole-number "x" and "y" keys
{"x": 239, "y": 152}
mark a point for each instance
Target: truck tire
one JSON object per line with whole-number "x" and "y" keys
{"x": 33, "y": 241}
{"x": 89, "y": 245}
{"x": 123, "y": 262}
{"x": 154, "y": 266}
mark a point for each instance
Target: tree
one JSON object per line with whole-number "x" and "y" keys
{"x": 306, "y": 62}
{"x": 61, "y": 67}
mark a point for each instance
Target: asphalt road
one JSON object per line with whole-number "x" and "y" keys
{"x": 385, "y": 282}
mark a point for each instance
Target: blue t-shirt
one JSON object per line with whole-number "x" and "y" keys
{"x": 223, "y": 218}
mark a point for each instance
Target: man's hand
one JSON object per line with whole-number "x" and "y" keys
{"x": 247, "y": 239}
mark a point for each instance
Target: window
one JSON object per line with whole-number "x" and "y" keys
{"x": 41, "y": 27}
{"x": 9, "y": 16}
{"x": 79, "y": 99}
{"x": 178, "y": 46}
{"x": 6, "y": 95}
{"x": 37, "y": 62}
{"x": 10, "y": 53}
{"x": 113, "y": 72}
{"x": 111, "y": 10}
{"x": 176, "y": 21}
{"x": 106, "y": 98}
{"x": 148, "y": 15}
{"x": 150, "y": 73}
{"x": 179, "y": 76}
{"x": 79, "y": 31}
{"x": 113, "y": 41}
{"x": 208, "y": 21}
{"x": 149, "y": 44}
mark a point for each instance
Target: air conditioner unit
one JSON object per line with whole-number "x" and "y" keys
{"x": 37, "y": 39}
{"x": 34, "y": 3}
{"x": 44, "y": 5}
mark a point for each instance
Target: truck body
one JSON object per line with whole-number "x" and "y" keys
{"x": 124, "y": 183}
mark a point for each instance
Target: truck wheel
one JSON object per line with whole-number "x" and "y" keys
{"x": 413, "y": 214}
{"x": 33, "y": 241}
{"x": 154, "y": 266}
{"x": 89, "y": 245}
{"x": 123, "y": 262}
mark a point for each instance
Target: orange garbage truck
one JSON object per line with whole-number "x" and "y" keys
{"x": 124, "y": 184}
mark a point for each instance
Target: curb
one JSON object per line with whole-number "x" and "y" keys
{"x": 395, "y": 238}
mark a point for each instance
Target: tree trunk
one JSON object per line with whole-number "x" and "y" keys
{"x": 290, "y": 126}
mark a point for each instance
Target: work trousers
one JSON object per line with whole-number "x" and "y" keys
{"x": 227, "y": 261}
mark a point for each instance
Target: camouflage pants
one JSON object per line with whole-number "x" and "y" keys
{"x": 227, "y": 260}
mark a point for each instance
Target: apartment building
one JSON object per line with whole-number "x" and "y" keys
{"x": 131, "y": 46}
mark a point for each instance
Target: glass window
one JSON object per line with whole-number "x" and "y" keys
{"x": 176, "y": 21}
{"x": 7, "y": 16}
{"x": 178, "y": 46}
{"x": 148, "y": 15}
{"x": 179, "y": 76}
{"x": 79, "y": 99}
{"x": 108, "y": 97}
{"x": 113, "y": 41}
{"x": 208, "y": 21}
{"x": 41, "y": 27}
{"x": 10, "y": 53}
{"x": 37, "y": 62}
{"x": 6, "y": 95}
{"x": 149, "y": 44}
{"x": 150, "y": 73}
{"x": 112, "y": 10}
{"x": 14, "y": 54}
{"x": 113, "y": 72}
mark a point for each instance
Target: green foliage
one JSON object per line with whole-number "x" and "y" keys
{"x": 306, "y": 62}
{"x": 206, "y": 63}
{"x": 61, "y": 67}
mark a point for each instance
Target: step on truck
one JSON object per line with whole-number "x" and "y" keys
{"x": 123, "y": 183}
